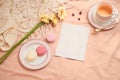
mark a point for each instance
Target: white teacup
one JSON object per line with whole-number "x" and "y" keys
{"x": 105, "y": 13}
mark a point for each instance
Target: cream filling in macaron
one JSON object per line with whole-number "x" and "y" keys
{"x": 31, "y": 55}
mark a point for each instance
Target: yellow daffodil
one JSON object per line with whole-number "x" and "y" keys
{"x": 45, "y": 19}
{"x": 53, "y": 18}
{"x": 61, "y": 13}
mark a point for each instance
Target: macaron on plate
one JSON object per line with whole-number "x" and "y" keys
{"x": 35, "y": 54}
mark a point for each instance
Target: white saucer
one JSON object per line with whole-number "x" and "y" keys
{"x": 40, "y": 62}
{"x": 95, "y": 24}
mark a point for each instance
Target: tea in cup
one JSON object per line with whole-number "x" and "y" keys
{"x": 105, "y": 13}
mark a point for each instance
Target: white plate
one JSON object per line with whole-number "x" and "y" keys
{"x": 97, "y": 25}
{"x": 40, "y": 62}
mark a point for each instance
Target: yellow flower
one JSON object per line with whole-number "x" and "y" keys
{"x": 45, "y": 18}
{"x": 54, "y": 20}
{"x": 61, "y": 13}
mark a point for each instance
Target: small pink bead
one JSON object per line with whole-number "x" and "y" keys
{"x": 50, "y": 37}
{"x": 41, "y": 50}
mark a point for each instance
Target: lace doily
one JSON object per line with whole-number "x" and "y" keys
{"x": 26, "y": 13}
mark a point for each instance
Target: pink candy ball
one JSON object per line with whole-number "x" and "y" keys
{"x": 50, "y": 37}
{"x": 41, "y": 50}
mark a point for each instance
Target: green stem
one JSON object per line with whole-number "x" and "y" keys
{"x": 19, "y": 42}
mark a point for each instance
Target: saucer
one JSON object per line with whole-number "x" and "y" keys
{"x": 40, "y": 61}
{"x": 97, "y": 25}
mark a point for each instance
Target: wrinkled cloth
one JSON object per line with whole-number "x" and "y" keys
{"x": 102, "y": 60}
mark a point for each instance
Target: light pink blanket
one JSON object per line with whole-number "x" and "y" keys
{"x": 102, "y": 60}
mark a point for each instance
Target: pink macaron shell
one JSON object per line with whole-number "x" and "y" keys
{"x": 41, "y": 50}
{"x": 50, "y": 37}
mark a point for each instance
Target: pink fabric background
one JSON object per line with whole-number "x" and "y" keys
{"x": 102, "y": 60}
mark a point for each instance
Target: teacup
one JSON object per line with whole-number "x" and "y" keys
{"x": 105, "y": 13}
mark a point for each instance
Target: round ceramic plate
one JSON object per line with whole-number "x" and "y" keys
{"x": 38, "y": 63}
{"x": 92, "y": 21}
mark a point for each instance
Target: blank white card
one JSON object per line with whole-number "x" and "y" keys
{"x": 73, "y": 41}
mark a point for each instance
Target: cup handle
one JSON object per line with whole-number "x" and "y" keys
{"x": 115, "y": 21}
{"x": 115, "y": 15}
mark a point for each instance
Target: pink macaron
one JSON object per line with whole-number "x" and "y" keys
{"x": 41, "y": 50}
{"x": 50, "y": 37}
